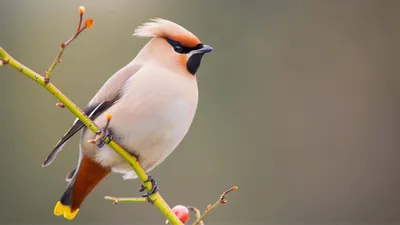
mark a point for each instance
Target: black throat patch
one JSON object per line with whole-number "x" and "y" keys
{"x": 193, "y": 63}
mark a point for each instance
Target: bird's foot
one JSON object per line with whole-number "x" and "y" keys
{"x": 154, "y": 187}
{"x": 100, "y": 138}
{"x": 105, "y": 133}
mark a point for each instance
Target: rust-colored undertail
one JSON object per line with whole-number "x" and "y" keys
{"x": 85, "y": 179}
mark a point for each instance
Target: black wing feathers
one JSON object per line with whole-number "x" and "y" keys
{"x": 92, "y": 111}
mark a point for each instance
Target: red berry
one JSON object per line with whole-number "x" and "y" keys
{"x": 182, "y": 212}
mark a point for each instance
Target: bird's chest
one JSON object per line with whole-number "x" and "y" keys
{"x": 151, "y": 119}
{"x": 159, "y": 109}
{"x": 156, "y": 124}
{"x": 151, "y": 133}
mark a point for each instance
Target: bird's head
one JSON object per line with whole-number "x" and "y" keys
{"x": 172, "y": 45}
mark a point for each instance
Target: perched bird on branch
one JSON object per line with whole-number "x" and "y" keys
{"x": 152, "y": 101}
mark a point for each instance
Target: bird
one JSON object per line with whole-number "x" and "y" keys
{"x": 153, "y": 100}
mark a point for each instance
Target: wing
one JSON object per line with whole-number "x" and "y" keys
{"x": 104, "y": 99}
{"x": 92, "y": 111}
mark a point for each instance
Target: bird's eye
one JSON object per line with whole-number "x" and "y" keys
{"x": 178, "y": 48}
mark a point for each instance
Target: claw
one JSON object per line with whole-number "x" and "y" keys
{"x": 142, "y": 188}
{"x": 105, "y": 134}
{"x": 101, "y": 137}
{"x": 154, "y": 187}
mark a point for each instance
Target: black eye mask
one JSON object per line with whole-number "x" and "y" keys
{"x": 193, "y": 63}
{"x": 181, "y": 49}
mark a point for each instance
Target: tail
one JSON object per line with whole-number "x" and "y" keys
{"x": 86, "y": 177}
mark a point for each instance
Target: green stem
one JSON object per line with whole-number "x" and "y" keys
{"x": 118, "y": 200}
{"x": 62, "y": 48}
{"x": 156, "y": 198}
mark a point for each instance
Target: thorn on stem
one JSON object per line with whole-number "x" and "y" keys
{"x": 4, "y": 62}
{"x": 60, "y": 105}
{"x": 46, "y": 77}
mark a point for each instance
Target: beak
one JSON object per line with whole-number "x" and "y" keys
{"x": 205, "y": 49}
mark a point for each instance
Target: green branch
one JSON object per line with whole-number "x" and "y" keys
{"x": 158, "y": 201}
{"x": 117, "y": 200}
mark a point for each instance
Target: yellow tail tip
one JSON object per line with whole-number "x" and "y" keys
{"x": 59, "y": 209}
{"x": 65, "y": 210}
{"x": 70, "y": 215}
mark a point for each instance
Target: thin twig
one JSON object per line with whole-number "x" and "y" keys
{"x": 118, "y": 200}
{"x": 57, "y": 60}
{"x": 81, "y": 10}
{"x": 209, "y": 208}
{"x": 196, "y": 212}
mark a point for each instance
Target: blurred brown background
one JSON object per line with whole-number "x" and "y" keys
{"x": 299, "y": 107}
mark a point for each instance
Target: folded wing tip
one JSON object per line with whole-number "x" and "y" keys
{"x": 46, "y": 163}
{"x": 49, "y": 159}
